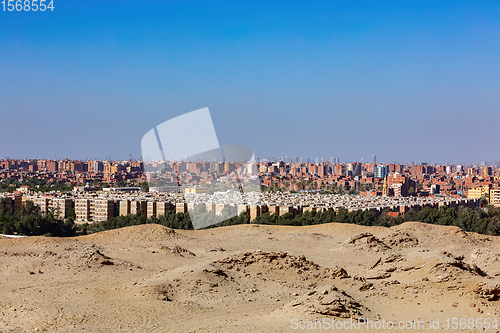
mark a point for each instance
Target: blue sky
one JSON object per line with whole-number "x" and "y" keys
{"x": 405, "y": 80}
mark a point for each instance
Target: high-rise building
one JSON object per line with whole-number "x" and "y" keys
{"x": 42, "y": 203}
{"x": 354, "y": 169}
{"x": 381, "y": 171}
{"x": 138, "y": 207}
{"x": 486, "y": 171}
{"x": 52, "y": 166}
{"x": 339, "y": 169}
{"x": 124, "y": 207}
{"x": 162, "y": 208}
{"x": 374, "y": 159}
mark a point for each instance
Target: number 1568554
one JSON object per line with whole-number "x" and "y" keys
{"x": 27, "y": 5}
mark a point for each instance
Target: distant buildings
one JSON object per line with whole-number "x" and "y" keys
{"x": 198, "y": 190}
{"x": 195, "y": 178}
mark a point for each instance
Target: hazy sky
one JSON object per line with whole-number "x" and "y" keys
{"x": 405, "y": 80}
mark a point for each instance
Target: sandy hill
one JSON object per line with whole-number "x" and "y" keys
{"x": 246, "y": 278}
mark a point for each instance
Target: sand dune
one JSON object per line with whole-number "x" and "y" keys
{"x": 246, "y": 278}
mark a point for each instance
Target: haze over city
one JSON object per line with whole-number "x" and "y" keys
{"x": 408, "y": 81}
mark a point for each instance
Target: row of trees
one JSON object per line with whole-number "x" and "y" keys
{"x": 30, "y": 221}
{"x": 43, "y": 185}
{"x": 35, "y": 184}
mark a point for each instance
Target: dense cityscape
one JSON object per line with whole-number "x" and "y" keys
{"x": 100, "y": 190}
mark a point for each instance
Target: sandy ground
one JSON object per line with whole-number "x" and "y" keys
{"x": 249, "y": 278}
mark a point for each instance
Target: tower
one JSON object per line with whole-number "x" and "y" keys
{"x": 385, "y": 189}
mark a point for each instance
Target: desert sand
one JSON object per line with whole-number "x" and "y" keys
{"x": 247, "y": 278}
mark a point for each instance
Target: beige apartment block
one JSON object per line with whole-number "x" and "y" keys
{"x": 61, "y": 206}
{"x": 82, "y": 209}
{"x": 124, "y": 207}
{"x": 162, "y": 208}
{"x": 139, "y": 207}
{"x": 219, "y": 208}
{"x": 151, "y": 209}
{"x": 255, "y": 212}
{"x": 478, "y": 192}
{"x": 101, "y": 209}
{"x": 286, "y": 209}
{"x": 242, "y": 208}
{"x": 41, "y": 202}
{"x": 181, "y": 207}
{"x": 274, "y": 209}
{"x": 210, "y": 207}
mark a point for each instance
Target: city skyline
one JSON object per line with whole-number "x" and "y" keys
{"x": 283, "y": 158}
{"x": 405, "y": 81}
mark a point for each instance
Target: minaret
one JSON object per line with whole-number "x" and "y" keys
{"x": 385, "y": 191}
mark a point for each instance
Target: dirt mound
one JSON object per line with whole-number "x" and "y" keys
{"x": 488, "y": 259}
{"x": 487, "y": 291}
{"x": 84, "y": 256}
{"x": 329, "y": 301}
{"x": 280, "y": 261}
{"x": 93, "y": 257}
{"x": 400, "y": 238}
{"x": 268, "y": 279}
{"x": 178, "y": 250}
{"x": 367, "y": 242}
{"x": 455, "y": 268}
{"x": 138, "y": 233}
{"x": 149, "y": 278}
{"x": 437, "y": 235}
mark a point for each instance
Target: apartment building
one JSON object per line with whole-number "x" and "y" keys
{"x": 162, "y": 208}
{"x": 41, "y": 202}
{"x": 381, "y": 171}
{"x": 151, "y": 209}
{"x": 61, "y": 206}
{"x": 478, "y": 192}
{"x": 102, "y": 209}
{"x": 495, "y": 197}
{"x": 198, "y": 190}
{"x": 124, "y": 209}
{"x": 138, "y": 207}
{"x": 82, "y": 209}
